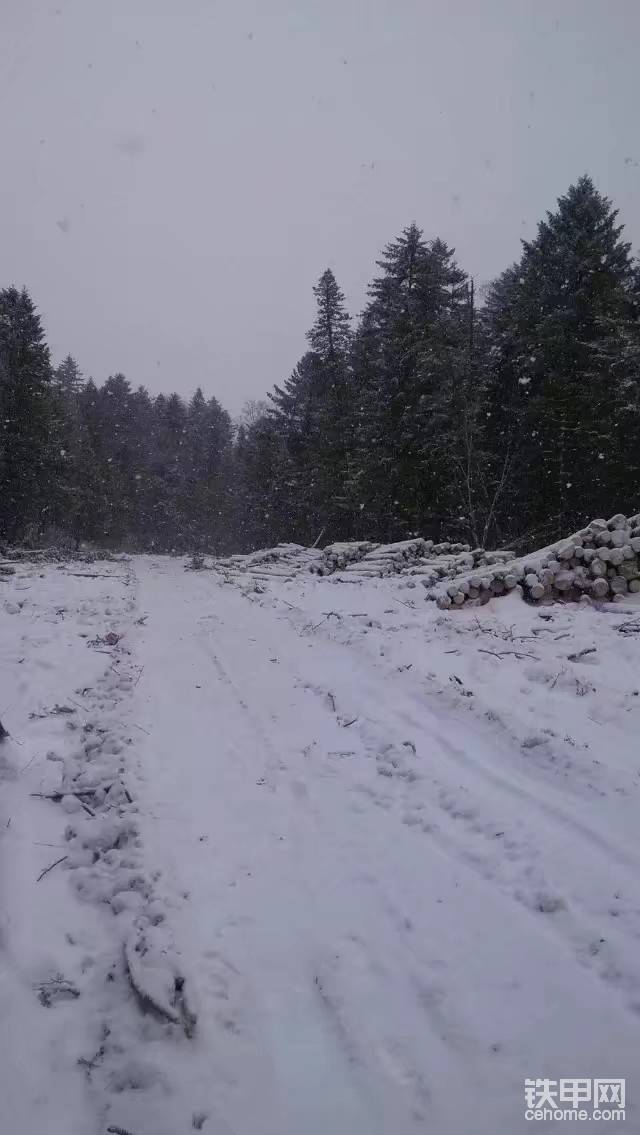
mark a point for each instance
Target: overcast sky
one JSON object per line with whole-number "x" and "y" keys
{"x": 176, "y": 174}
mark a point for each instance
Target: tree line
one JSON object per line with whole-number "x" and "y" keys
{"x": 507, "y": 418}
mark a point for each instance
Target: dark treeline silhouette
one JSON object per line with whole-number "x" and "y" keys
{"x": 514, "y": 420}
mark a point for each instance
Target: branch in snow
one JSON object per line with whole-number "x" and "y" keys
{"x": 50, "y": 867}
{"x": 581, "y": 654}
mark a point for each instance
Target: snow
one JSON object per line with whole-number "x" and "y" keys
{"x": 335, "y": 859}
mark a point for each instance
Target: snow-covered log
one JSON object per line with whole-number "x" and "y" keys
{"x": 601, "y": 561}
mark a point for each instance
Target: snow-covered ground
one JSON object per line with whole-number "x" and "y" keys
{"x": 334, "y": 860}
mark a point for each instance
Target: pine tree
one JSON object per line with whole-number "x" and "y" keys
{"x": 411, "y": 333}
{"x": 72, "y": 493}
{"x": 68, "y": 376}
{"x": 310, "y": 416}
{"x": 296, "y": 436}
{"x": 263, "y": 499}
{"x": 25, "y": 414}
{"x": 330, "y": 335}
{"x": 559, "y": 322}
{"x": 110, "y": 422}
{"x": 204, "y": 498}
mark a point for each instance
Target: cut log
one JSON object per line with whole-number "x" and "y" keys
{"x": 563, "y": 581}
{"x": 619, "y": 585}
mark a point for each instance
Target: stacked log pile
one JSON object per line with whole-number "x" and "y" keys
{"x": 447, "y": 561}
{"x": 284, "y": 561}
{"x": 338, "y": 556}
{"x": 423, "y": 559}
{"x": 389, "y": 559}
{"x": 601, "y": 561}
{"x": 419, "y": 558}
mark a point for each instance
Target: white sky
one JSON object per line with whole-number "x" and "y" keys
{"x": 176, "y": 174}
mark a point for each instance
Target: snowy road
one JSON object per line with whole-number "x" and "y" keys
{"x": 388, "y": 910}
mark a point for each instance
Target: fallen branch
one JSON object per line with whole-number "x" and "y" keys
{"x": 140, "y": 727}
{"x": 581, "y": 654}
{"x": 29, "y": 763}
{"x": 327, "y": 615}
{"x": 90, "y": 575}
{"x": 516, "y": 654}
{"x": 56, "y": 711}
{"x": 50, "y": 867}
{"x": 291, "y": 605}
{"x": 629, "y": 628}
{"x": 57, "y": 797}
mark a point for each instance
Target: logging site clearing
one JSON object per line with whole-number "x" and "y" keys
{"x": 328, "y": 839}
